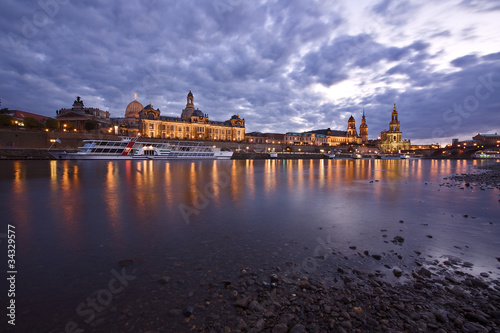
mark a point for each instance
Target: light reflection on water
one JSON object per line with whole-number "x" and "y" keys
{"x": 81, "y": 217}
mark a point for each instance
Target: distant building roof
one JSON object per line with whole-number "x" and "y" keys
{"x": 20, "y": 115}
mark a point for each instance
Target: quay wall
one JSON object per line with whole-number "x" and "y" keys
{"x": 33, "y": 144}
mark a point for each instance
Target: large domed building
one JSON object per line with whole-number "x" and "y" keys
{"x": 193, "y": 124}
{"x": 133, "y": 109}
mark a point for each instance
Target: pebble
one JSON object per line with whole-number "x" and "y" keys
{"x": 434, "y": 296}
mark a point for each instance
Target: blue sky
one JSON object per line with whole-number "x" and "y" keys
{"x": 283, "y": 65}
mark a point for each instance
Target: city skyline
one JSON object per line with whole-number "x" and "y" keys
{"x": 283, "y": 66}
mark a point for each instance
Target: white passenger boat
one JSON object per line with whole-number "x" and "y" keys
{"x": 393, "y": 156}
{"x": 356, "y": 156}
{"x": 131, "y": 149}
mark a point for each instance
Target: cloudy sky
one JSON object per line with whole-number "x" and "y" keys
{"x": 283, "y": 65}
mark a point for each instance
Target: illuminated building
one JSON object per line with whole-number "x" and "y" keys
{"x": 390, "y": 141}
{"x": 74, "y": 119}
{"x": 193, "y": 124}
{"x": 328, "y": 137}
{"x": 363, "y": 129}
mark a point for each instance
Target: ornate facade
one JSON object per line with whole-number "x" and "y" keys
{"x": 390, "y": 141}
{"x": 74, "y": 119}
{"x": 193, "y": 124}
{"x": 351, "y": 128}
{"x": 363, "y": 129}
{"x": 328, "y": 137}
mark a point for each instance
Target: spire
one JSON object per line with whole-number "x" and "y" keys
{"x": 135, "y": 96}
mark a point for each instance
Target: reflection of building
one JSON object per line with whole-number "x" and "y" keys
{"x": 193, "y": 124}
{"x": 74, "y": 119}
{"x": 390, "y": 141}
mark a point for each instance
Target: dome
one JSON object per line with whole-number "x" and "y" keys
{"x": 351, "y": 118}
{"x": 133, "y": 109}
{"x": 197, "y": 113}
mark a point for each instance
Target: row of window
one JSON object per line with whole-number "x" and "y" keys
{"x": 106, "y": 143}
{"x": 191, "y": 154}
{"x": 187, "y": 129}
{"x": 105, "y": 150}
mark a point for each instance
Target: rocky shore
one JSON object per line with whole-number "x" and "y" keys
{"x": 486, "y": 176}
{"x": 330, "y": 294}
{"x": 435, "y": 297}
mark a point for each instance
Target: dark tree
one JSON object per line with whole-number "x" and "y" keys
{"x": 91, "y": 125}
{"x": 52, "y": 124}
{"x": 6, "y": 120}
{"x": 30, "y": 122}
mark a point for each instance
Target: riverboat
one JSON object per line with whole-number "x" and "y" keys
{"x": 486, "y": 154}
{"x": 356, "y": 156}
{"x": 393, "y": 156}
{"x": 131, "y": 149}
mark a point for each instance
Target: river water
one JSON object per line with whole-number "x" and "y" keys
{"x": 192, "y": 223}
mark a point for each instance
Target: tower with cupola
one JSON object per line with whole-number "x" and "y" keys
{"x": 363, "y": 129}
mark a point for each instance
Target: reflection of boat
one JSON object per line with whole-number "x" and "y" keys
{"x": 131, "y": 149}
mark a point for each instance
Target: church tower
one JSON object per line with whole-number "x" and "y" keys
{"x": 363, "y": 129}
{"x": 390, "y": 141}
{"x": 394, "y": 124}
{"x": 188, "y": 111}
{"x": 351, "y": 127}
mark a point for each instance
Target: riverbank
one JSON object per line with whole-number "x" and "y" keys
{"x": 297, "y": 268}
{"x": 435, "y": 296}
{"x": 43, "y": 154}
{"x": 483, "y": 176}
{"x": 327, "y": 294}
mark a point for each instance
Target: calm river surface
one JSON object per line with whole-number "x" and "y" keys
{"x": 197, "y": 222}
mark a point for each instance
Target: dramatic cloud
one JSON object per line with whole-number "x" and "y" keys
{"x": 282, "y": 65}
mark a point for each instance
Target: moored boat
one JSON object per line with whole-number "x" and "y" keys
{"x": 131, "y": 149}
{"x": 356, "y": 156}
